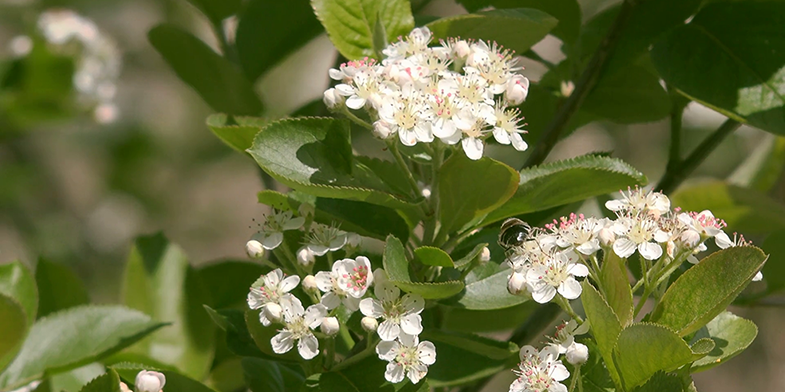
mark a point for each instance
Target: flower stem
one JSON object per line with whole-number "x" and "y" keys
{"x": 357, "y": 120}
{"x": 367, "y": 351}
{"x": 674, "y": 176}
{"x": 429, "y": 226}
{"x": 584, "y": 86}
{"x": 679, "y": 102}
{"x": 567, "y": 308}
{"x": 329, "y": 356}
{"x": 416, "y": 193}
{"x": 576, "y": 380}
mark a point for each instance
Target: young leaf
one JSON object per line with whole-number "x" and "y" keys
{"x": 605, "y": 326}
{"x": 436, "y": 257}
{"x": 488, "y": 293}
{"x": 222, "y": 85}
{"x": 554, "y": 184}
{"x": 459, "y": 180}
{"x": 397, "y": 267}
{"x": 644, "y": 349}
{"x": 18, "y": 283}
{"x": 159, "y": 281}
{"x": 706, "y": 289}
{"x": 616, "y": 287}
{"x": 466, "y": 320}
{"x": 74, "y": 337}
{"x": 269, "y": 31}
{"x": 661, "y": 382}
{"x": 175, "y": 382}
{"x": 314, "y": 155}
{"x": 395, "y": 263}
{"x": 731, "y": 334}
{"x": 108, "y": 382}
{"x": 567, "y": 12}
{"x": 517, "y": 29}
{"x": 238, "y": 137}
{"x": 12, "y": 329}
{"x": 730, "y": 57}
{"x": 351, "y": 23}
{"x": 58, "y": 288}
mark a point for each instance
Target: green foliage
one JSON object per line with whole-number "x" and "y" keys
{"x": 237, "y": 136}
{"x": 74, "y": 337}
{"x": 12, "y": 329}
{"x": 351, "y": 23}
{"x": 175, "y": 382}
{"x": 730, "y": 57}
{"x": 567, "y": 12}
{"x": 605, "y": 327}
{"x": 397, "y": 267}
{"x": 159, "y": 281}
{"x": 18, "y": 283}
{"x": 435, "y": 257}
{"x": 616, "y": 288}
{"x": 263, "y": 375}
{"x": 227, "y": 282}
{"x": 731, "y": 335}
{"x": 706, "y": 289}
{"x": 217, "y": 10}
{"x": 774, "y": 270}
{"x": 58, "y": 288}
{"x": 108, "y": 382}
{"x": 644, "y": 349}
{"x": 488, "y": 293}
{"x": 222, "y": 85}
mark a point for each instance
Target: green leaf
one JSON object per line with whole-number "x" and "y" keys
{"x": 261, "y": 336}
{"x": 731, "y": 58}
{"x": 58, "y": 288}
{"x": 631, "y": 95}
{"x": 159, "y": 281}
{"x": 362, "y": 218}
{"x": 238, "y": 137}
{"x": 350, "y": 23}
{"x": 489, "y": 348}
{"x": 557, "y": 183}
{"x": 269, "y": 31}
{"x": 228, "y": 282}
{"x": 466, "y": 320}
{"x": 488, "y": 293}
{"x": 594, "y": 375}
{"x": 568, "y": 13}
{"x": 217, "y": 10}
{"x": 774, "y": 270}
{"x": 605, "y": 326}
{"x": 74, "y": 337}
{"x": 238, "y": 338}
{"x": 108, "y": 382}
{"x": 397, "y": 267}
{"x": 222, "y": 85}
{"x": 517, "y": 29}
{"x": 644, "y": 349}
{"x": 616, "y": 287}
{"x": 436, "y": 257}
{"x": 74, "y": 380}
{"x": 175, "y": 382}
{"x": 314, "y": 155}
{"x": 661, "y": 382}
{"x": 460, "y": 362}
{"x": 459, "y": 180}
{"x": 18, "y": 283}
{"x": 262, "y": 375}
{"x": 364, "y": 376}
{"x": 12, "y": 329}
{"x": 701, "y": 347}
{"x": 744, "y": 210}
{"x": 706, "y": 289}
{"x": 731, "y": 335}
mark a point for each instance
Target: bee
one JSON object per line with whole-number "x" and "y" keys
{"x": 514, "y": 233}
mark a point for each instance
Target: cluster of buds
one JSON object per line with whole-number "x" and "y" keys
{"x": 460, "y": 91}
{"x": 551, "y": 257}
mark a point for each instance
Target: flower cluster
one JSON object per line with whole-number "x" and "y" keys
{"x": 461, "y": 91}
{"x": 548, "y": 262}
{"x": 345, "y": 288}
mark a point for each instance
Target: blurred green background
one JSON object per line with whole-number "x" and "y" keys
{"x": 77, "y": 191}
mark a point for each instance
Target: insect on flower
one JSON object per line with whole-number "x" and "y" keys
{"x": 514, "y": 233}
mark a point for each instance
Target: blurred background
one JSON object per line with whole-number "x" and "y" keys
{"x": 101, "y": 142}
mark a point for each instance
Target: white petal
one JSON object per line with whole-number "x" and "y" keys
{"x": 355, "y": 102}
{"x": 501, "y": 135}
{"x": 386, "y": 291}
{"x": 264, "y": 320}
{"x": 413, "y": 303}
{"x": 578, "y": 270}
{"x": 318, "y": 250}
{"x": 472, "y": 147}
{"x": 394, "y": 373}
{"x": 559, "y": 372}
{"x": 412, "y": 324}
{"x": 426, "y": 352}
{"x": 324, "y": 281}
{"x": 331, "y": 300}
{"x": 308, "y": 346}
{"x": 722, "y": 240}
{"x": 650, "y": 250}
{"x": 589, "y": 247}
{"x": 282, "y": 342}
{"x": 289, "y": 283}
{"x": 388, "y": 330}
{"x": 623, "y": 247}
{"x": 408, "y": 137}
{"x": 544, "y": 294}
{"x": 294, "y": 223}
{"x": 351, "y": 303}
{"x": 614, "y": 205}
{"x": 445, "y": 129}
{"x": 344, "y": 89}
{"x": 272, "y": 240}
{"x": 570, "y": 288}
{"x": 758, "y": 277}
{"x": 416, "y": 372}
{"x": 387, "y": 350}
{"x": 371, "y": 307}
{"x": 273, "y": 278}
{"x": 518, "y": 143}
{"x": 518, "y": 386}
{"x": 661, "y": 236}
{"x": 314, "y": 315}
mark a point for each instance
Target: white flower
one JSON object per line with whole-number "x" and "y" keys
{"x": 517, "y": 90}
{"x": 474, "y": 129}
{"x": 637, "y": 200}
{"x": 577, "y": 354}
{"x": 365, "y": 88}
{"x": 333, "y": 285}
{"x": 564, "y": 341}
{"x": 270, "y": 289}
{"x": 309, "y": 284}
{"x": 369, "y": 324}
{"x": 254, "y": 249}
{"x": 299, "y": 326}
{"x": 566, "y": 88}
{"x": 516, "y": 283}
{"x": 330, "y": 326}
{"x": 149, "y": 381}
{"x": 540, "y": 371}
{"x": 406, "y": 356}
{"x": 405, "y": 115}
{"x": 332, "y": 99}
{"x": 271, "y": 234}
{"x": 123, "y": 388}
{"x": 579, "y": 232}
{"x": 641, "y": 233}
{"x": 557, "y": 274}
{"x": 401, "y": 315}
{"x": 305, "y": 256}
{"x": 323, "y": 239}
{"x": 704, "y": 224}
{"x": 506, "y": 129}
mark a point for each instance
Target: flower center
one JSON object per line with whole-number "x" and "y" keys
{"x": 358, "y": 279}
{"x": 407, "y": 356}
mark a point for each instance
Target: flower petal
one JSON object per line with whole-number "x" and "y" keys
{"x": 324, "y": 281}
{"x": 544, "y": 293}
{"x": 387, "y": 350}
{"x": 472, "y": 147}
{"x": 394, "y": 373}
{"x": 623, "y": 247}
{"x": 289, "y": 283}
{"x": 570, "y": 288}
{"x": 331, "y": 300}
{"x": 371, "y": 307}
{"x": 412, "y": 324}
{"x": 650, "y": 250}
{"x": 426, "y": 352}
{"x": 413, "y": 303}
{"x": 388, "y": 330}
{"x": 272, "y": 240}
{"x": 282, "y": 342}
{"x": 416, "y": 372}
{"x": 308, "y": 346}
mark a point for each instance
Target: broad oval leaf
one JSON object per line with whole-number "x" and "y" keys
{"x": 706, "y": 289}
{"x": 460, "y": 362}
{"x": 730, "y": 57}
{"x": 744, "y": 210}
{"x": 644, "y": 349}
{"x": 159, "y": 281}
{"x": 17, "y": 282}
{"x": 662, "y": 382}
{"x": 108, "y": 382}
{"x": 436, "y": 257}
{"x": 364, "y": 376}
{"x": 395, "y": 263}
{"x": 460, "y": 178}
{"x": 262, "y": 375}
{"x": 467, "y": 320}
{"x": 516, "y": 28}
{"x": 397, "y": 267}
{"x": 351, "y": 23}
{"x": 222, "y": 85}
{"x": 228, "y": 281}
{"x": 486, "y": 347}
{"x": 554, "y": 184}
{"x": 74, "y": 337}
{"x": 175, "y": 382}
{"x": 58, "y": 288}
{"x": 630, "y": 95}
{"x": 268, "y": 31}
{"x": 237, "y": 136}
{"x": 487, "y": 294}
{"x": 731, "y": 335}
{"x": 605, "y": 326}
{"x": 12, "y": 329}
{"x": 314, "y": 155}
{"x": 616, "y": 287}
{"x": 567, "y": 12}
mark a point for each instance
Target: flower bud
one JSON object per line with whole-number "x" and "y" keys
{"x": 254, "y": 249}
{"x": 461, "y": 49}
{"x": 353, "y": 240}
{"x": 305, "y": 256}
{"x": 273, "y": 311}
{"x": 369, "y": 324}
{"x": 381, "y": 130}
{"x": 690, "y": 238}
{"x": 517, "y": 89}
{"x": 149, "y": 381}
{"x": 309, "y": 284}
{"x": 516, "y": 284}
{"x": 567, "y": 87}
{"x": 606, "y": 236}
{"x": 577, "y": 354}
{"x": 758, "y": 277}
{"x": 485, "y": 255}
{"x": 332, "y": 99}
{"x": 330, "y": 326}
